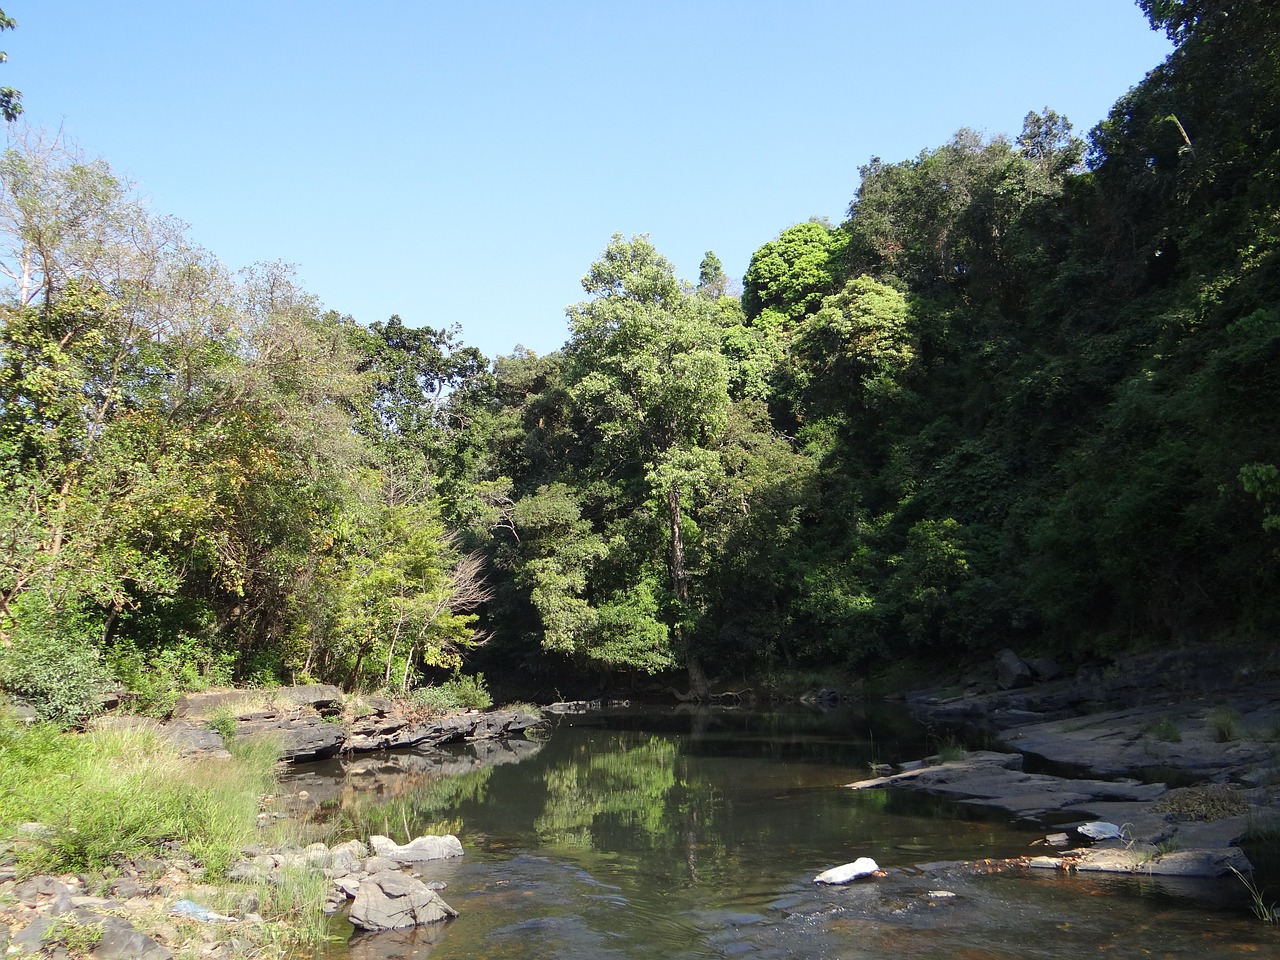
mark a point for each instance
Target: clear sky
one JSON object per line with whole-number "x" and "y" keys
{"x": 464, "y": 162}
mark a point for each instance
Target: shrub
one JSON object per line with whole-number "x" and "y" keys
{"x": 1164, "y": 729}
{"x": 459, "y": 693}
{"x": 53, "y": 663}
{"x": 155, "y": 679}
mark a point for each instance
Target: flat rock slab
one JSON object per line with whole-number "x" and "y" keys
{"x": 322, "y": 697}
{"x": 996, "y": 781}
{"x": 1124, "y": 742}
{"x": 1179, "y": 863}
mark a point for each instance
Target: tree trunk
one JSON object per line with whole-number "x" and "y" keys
{"x": 698, "y": 687}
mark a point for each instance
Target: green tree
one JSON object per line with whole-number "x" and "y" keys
{"x": 10, "y": 99}
{"x": 652, "y": 386}
{"x": 788, "y": 277}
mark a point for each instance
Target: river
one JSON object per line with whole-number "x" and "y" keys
{"x": 640, "y": 834}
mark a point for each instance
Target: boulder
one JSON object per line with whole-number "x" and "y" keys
{"x": 418, "y": 850}
{"x": 848, "y": 872}
{"x": 393, "y": 901}
{"x": 1011, "y": 670}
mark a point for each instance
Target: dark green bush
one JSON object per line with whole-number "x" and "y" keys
{"x": 53, "y": 662}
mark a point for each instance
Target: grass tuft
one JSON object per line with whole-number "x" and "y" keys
{"x": 1224, "y": 723}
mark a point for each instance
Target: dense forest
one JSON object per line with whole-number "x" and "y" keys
{"x": 1025, "y": 393}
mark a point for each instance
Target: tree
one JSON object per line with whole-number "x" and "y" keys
{"x": 856, "y": 350}
{"x": 788, "y": 277}
{"x": 10, "y": 99}
{"x": 652, "y": 386}
{"x": 713, "y": 282}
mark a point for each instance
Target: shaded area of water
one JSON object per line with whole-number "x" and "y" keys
{"x": 697, "y": 835}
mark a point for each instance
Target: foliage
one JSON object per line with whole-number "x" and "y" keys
{"x": 461, "y": 692}
{"x": 52, "y": 662}
{"x": 10, "y": 99}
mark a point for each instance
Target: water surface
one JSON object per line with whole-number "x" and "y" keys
{"x": 697, "y": 834}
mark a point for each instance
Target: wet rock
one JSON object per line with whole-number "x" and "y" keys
{"x": 392, "y": 901}
{"x": 848, "y": 872}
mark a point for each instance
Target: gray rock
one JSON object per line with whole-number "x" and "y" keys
{"x": 121, "y": 941}
{"x": 193, "y": 738}
{"x": 393, "y": 901}
{"x": 30, "y": 891}
{"x": 418, "y": 850}
{"x": 302, "y": 736}
{"x": 1044, "y": 668}
{"x": 1011, "y": 670}
{"x": 319, "y": 696}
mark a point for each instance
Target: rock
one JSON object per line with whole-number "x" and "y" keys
{"x": 1011, "y": 670}
{"x": 1100, "y": 830}
{"x": 1180, "y": 863}
{"x": 319, "y": 696}
{"x": 30, "y": 891}
{"x": 1044, "y": 668}
{"x": 418, "y": 850}
{"x": 848, "y": 872}
{"x": 392, "y": 901}
{"x": 192, "y": 738}
{"x": 302, "y": 736}
{"x": 122, "y": 941}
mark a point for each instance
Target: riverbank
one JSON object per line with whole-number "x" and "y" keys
{"x": 1179, "y": 751}
{"x": 106, "y": 834}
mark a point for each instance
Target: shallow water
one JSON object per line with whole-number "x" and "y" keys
{"x": 697, "y": 835}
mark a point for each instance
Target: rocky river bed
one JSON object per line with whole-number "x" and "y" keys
{"x": 1179, "y": 751}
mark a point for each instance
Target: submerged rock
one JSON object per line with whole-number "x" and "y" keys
{"x": 848, "y": 872}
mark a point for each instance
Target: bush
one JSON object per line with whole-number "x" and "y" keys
{"x": 459, "y": 693}
{"x": 156, "y": 679}
{"x": 53, "y": 664}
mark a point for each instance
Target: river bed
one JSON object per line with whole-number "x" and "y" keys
{"x": 696, "y": 834}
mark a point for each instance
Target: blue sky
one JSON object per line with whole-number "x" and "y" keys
{"x": 465, "y": 162}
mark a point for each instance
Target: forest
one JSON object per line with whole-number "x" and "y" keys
{"x": 1025, "y": 394}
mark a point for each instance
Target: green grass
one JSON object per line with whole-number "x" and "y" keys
{"x": 113, "y": 794}
{"x": 1163, "y": 729}
{"x": 1264, "y": 911}
{"x": 1224, "y": 722}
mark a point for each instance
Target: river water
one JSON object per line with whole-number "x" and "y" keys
{"x": 669, "y": 834}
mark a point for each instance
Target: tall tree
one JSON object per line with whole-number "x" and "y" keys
{"x": 652, "y": 386}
